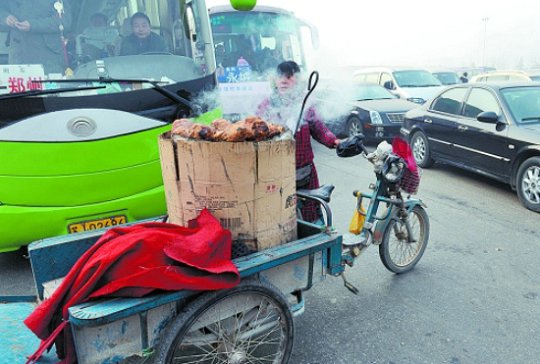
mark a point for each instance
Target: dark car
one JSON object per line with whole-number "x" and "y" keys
{"x": 491, "y": 129}
{"x": 370, "y": 109}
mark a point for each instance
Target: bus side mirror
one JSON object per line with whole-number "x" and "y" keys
{"x": 243, "y": 5}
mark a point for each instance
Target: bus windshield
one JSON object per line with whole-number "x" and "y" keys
{"x": 248, "y": 48}
{"x": 167, "y": 41}
{"x": 254, "y": 42}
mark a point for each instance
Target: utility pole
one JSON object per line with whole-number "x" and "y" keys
{"x": 485, "y": 20}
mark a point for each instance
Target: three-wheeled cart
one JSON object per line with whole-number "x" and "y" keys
{"x": 250, "y": 323}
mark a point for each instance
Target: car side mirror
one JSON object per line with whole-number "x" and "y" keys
{"x": 488, "y": 117}
{"x": 389, "y": 85}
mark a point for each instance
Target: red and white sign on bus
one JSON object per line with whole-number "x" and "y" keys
{"x": 19, "y": 78}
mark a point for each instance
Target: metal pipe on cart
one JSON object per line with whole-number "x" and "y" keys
{"x": 312, "y": 83}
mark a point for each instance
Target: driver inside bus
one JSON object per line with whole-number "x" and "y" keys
{"x": 36, "y": 32}
{"x": 142, "y": 39}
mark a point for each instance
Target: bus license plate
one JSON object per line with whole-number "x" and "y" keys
{"x": 81, "y": 226}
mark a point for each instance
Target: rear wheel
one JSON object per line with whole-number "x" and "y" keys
{"x": 421, "y": 150}
{"x": 250, "y": 323}
{"x": 354, "y": 126}
{"x": 398, "y": 254}
{"x": 528, "y": 183}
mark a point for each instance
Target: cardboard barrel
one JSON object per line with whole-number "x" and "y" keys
{"x": 249, "y": 186}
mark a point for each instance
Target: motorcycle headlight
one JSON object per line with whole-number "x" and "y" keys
{"x": 375, "y": 117}
{"x": 393, "y": 169}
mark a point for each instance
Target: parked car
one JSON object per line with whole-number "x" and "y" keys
{"x": 446, "y": 77}
{"x": 492, "y": 129}
{"x": 416, "y": 85}
{"x": 371, "y": 110}
{"x": 510, "y": 75}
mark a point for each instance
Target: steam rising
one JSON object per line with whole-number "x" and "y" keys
{"x": 331, "y": 97}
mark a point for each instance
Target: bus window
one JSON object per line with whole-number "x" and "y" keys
{"x": 179, "y": 25}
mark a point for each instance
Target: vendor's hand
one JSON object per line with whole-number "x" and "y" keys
{"x": 23, "y": 25}
{"x": 11, "y": 20}
{"x": 336, "y": 142}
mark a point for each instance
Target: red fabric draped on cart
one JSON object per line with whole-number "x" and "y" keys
{"x": 136, "y": 260}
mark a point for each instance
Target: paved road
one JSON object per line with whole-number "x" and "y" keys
{"x": 473, "y": 299}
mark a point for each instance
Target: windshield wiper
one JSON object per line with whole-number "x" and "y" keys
{"x": 531, "y": 118}
{"x": 107, "y": 80}
{"x": 47, "y": 92}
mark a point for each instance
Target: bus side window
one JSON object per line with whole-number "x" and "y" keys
{"x": 179, "y": 38}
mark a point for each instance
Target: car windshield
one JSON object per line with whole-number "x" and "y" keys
{"x": 160, "y": 40}
{"x": 415, "y": 78}
{"x": 371, "y": 92}
{"x": 524, "y": 103}
{"x": 447, "y": 78}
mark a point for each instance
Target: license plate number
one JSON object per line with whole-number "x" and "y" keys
{"x": 81, "y": 226}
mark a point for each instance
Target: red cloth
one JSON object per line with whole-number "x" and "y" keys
{"x": 401, "y": 148}
{"x": 136, "y": 260}
{"x": 411, "y": 176}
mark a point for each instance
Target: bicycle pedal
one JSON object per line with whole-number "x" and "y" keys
{"x": 349, "y": 285}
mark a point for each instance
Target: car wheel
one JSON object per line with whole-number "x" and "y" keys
{"x": 421, "y": 150}
{"x": 528, "y": 183}
{"x": 354, "y": 126}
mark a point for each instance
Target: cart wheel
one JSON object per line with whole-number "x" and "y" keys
{"x": 250, "y": 323}
{"x": 397, "y": 253}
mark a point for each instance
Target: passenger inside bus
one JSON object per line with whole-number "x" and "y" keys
{"x": 142, "y": 39}
{"x": 98, "y": 40}
{"x": 269, "y": 58}
{"x": 34, "y": 32}
{"x": 245, "y": 53}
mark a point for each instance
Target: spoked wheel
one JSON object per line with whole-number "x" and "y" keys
{"x": 528, "y": 183}
{"x": 397, "y": 253}
{"x": 421, "y": 150}
{"x": 250, "y": 323}
{"x": 354, "y": 126}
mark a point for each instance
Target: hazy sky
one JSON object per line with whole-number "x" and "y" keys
{"x": 420, "y": 32}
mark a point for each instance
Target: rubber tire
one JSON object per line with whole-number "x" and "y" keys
{"x": 181, "y": 324}
{"x": 354, "y": 121}
{"x": 531, "y": 162}
{"x": 384, "y": 248}
{"x": 419, "y": 139}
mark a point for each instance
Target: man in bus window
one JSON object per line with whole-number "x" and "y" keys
{"x": 36, "y": 32}
{"x": 142, "y": 39}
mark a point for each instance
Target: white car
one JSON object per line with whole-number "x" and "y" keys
{"x": 412, "y": 84}
{"x": 509, "y": 75}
